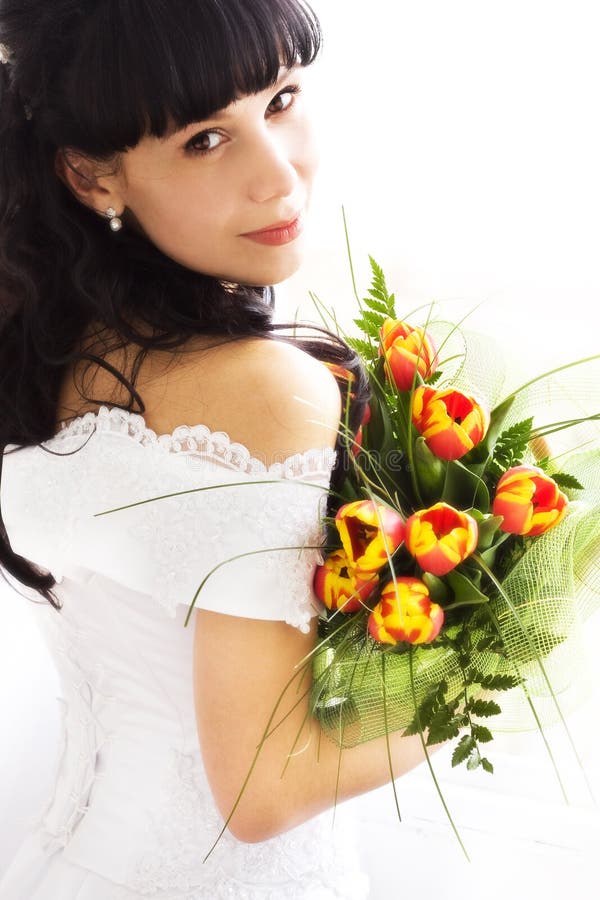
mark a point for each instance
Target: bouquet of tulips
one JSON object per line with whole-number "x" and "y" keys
{"x": 462, "y": 561}
{"x": 461, "y": 558}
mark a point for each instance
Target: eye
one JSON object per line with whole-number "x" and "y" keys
{"x": 284, "y": 99}
{"x": 204, "y": 142}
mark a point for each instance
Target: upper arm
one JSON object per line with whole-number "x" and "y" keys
{"x": 292, "y": 404}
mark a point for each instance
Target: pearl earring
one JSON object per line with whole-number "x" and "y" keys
{"x": 115, "y": 223}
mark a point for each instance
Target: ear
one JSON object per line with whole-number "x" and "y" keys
{"x": 86, "y": 181}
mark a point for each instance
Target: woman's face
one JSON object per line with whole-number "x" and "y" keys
{"x": 202, "y": 194}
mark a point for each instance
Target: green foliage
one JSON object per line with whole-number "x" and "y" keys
{"x": 567, "y": 482}
{"x": 463, "y": 749}
{"x": 482, "y": 734}
{"x": 483, "y": 708}
{"x": 379, "y": 305}
{"x": 510, "y": 447}
{"x": 364, "y": 348}
{"x": 370, "y": 322}
{"x": 433, "y": 379}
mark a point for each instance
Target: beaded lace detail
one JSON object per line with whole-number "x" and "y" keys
{"x": 199, "y": 439}
{"x": 312, "y": 861}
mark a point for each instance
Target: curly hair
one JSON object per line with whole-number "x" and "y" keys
{"x": 97, "y": 76}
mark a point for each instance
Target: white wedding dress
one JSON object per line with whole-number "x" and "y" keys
{"x": 131, "y": 813}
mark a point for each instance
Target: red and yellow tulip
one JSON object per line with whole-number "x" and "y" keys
{"x": 336, "y": 586}
{"x": 405, "y": 613}
{"x": 407, "y": 349}
{"x": 451, "y": 423}
{"x": 440, "y": 537}
{"x": 529, "y": 501}
{"x": 364, "y": 539}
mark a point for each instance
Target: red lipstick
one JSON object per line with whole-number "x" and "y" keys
{"x": 277, "y": 234}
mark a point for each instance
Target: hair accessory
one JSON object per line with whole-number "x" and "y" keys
{"x": 5, "y": 54}
{"x": 115, "y": 223}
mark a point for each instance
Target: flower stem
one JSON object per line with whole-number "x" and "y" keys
{"x": 427, "y": 757}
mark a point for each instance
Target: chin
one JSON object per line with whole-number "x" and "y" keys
{"x": 264, "y": 276}
{"x": 282, "y": 269}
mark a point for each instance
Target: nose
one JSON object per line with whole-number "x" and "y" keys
{"x": 271, "y": 171}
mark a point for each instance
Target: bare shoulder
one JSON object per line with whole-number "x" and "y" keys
{"x": 293, "y": 401}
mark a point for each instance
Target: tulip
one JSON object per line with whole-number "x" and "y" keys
{"x": 529, "y": 501}
{"x": 440, "y": 537}
{"x": 343, "y": 373}
{"x": 451, "y": 423}
{"x": 336, "y": 586}
{"x": 407, "y": 349}
{"x": 364, "y": 539}
{"x": 405, "y": 613}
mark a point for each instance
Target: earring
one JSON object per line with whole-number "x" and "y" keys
{"x": 115, "y": 223}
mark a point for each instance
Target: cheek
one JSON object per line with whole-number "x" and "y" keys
{"x": 304, "y": 149}
{"x": 178, "y": 210}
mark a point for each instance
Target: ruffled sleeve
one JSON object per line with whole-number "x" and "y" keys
{"x": 245, "y": 547}
{"x": 165, "y": 515}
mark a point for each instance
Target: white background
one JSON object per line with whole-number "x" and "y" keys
{"x": 462, "y": 139}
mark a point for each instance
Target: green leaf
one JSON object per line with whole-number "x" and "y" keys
{"x": 430, "y": 471}
{"x": 363, "y": 347}
{"x": 567, "y": 482}
{"x": 511, "y": 446}
{"x": 434, "y": 378}
{"x": 481, "y": 733}
{"x": 488, "y": 528}
{"x": 374, "y": 319}
{"x": 378, "y": 282}
{"x": 465, "y": 592}
{"x": 443, "y": 726}
{"x": 500, "y": 682}
{"x": 464, "y": 488}
{"x": 487, "y": 765}
{"x": 463, "y": 749}
{"x": 474, "y": 760}
{"x": 483, "y": 708}
{"x": 438, "y": 589}
{"x": 376, "y": 305}
{"x": 489, "y": 642}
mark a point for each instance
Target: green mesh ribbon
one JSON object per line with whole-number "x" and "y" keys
{"x": 362, "y": 689}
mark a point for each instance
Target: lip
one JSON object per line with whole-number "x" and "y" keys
{"x": 279, "y": 233}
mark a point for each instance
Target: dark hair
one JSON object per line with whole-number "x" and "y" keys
{"x": 97, "y": 76}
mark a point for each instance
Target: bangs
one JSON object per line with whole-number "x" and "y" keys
{"x": 143, "y": 67}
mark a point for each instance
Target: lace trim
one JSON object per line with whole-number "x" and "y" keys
{"x": 216, "y": 445}
{"x": 310, "y": 861}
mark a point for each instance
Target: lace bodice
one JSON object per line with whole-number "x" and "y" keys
{"x": 131, "y": 799}
{"x": 166, "y": 547}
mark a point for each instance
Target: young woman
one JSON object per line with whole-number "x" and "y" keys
{"x": 156, "y": 173}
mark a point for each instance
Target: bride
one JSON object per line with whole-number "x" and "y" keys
{"x": 156, "y": 171}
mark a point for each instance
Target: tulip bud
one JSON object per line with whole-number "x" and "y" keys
{"x": 363, "y": 539}
{"x": 451, "y": 423}
{"x": 529, "y": 501}
{"x": 407, "y": 349}
{"x": 405, "y": 613}
{"x": 336, "y": 586}
{"x": 440, "y": 538}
